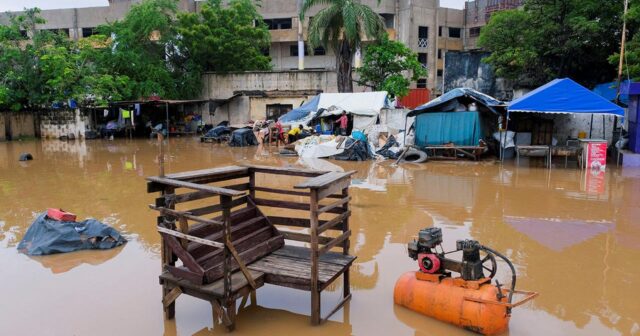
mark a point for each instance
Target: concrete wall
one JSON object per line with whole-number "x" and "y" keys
{"x": 18, "y": 124}
{"x": 258, "y": 105}
{"x": 56, "y": 123}
{"x": 218, "y": 86}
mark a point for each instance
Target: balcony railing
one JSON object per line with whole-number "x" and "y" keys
{"x": 423, "y": 42}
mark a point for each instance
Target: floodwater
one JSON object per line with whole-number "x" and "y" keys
{"x": 574, "y": 238}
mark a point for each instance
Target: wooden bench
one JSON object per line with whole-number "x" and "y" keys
{"x": 229, "y": 256}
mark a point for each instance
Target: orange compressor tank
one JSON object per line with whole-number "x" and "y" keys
{"x": 472, "y": 305}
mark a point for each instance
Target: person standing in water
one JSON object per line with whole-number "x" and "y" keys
{"x": 343, "y": 121}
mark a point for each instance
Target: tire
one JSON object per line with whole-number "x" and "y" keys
{"x": 415, "y": 156}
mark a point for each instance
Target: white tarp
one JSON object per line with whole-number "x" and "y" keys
{"x": 361, "y": 122}
{"x": 360, "y": 103}
{"x": 318, "y": 147}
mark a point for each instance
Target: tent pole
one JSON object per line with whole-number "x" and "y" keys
{"x": 504, "y": 138}
{"x": 591, "y": 126}
{"x": 166, "y": 106}
{"x": 604, "y": 136}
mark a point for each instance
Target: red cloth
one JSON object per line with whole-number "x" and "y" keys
{"x": 343, "y": 120}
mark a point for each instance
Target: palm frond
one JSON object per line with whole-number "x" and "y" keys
{"x": 307, "y": 4}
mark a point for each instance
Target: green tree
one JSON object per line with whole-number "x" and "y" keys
{"x": 143, "y": 47}
{"x": 549, "y": 39}
{"x": 386, "y": 64}
{"x": 342, "y": 26}
{"x": 225, "y": 38}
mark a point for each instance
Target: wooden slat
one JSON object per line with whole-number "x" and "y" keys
{"x": 284, "y": 170}
{"x": 176, "y": 213}
{"x": 190, "y": 238}
{"x": 195, "y": 186}
{"x": 330, "y": 224}
{"x": 324, "y": 180}
{"x": 282, "y": 191}
{"x": 174, "y": 246}
{"x": 214, "y": 289}
{"x": 336, "y": 308}
{"x": 334, "y": 188}
{"x": 171, "y": 296}
{"x": 239, "y": 186}
{"x": 293, "y": 221}
{"x": 301, "y": 252}
{"x": 241, "y": 264}
{"x": 335, "y": 242}
{"x": 289, "y": 205}
{"x": 334, "y": 205}
{"x": 216, "y": 207}
{"x": 206, "y": 172}
{"x": 303, "y": 237}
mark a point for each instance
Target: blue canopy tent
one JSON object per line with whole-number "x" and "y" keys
{"x": 447, "y": 120}
{"x": 564, "y": 96}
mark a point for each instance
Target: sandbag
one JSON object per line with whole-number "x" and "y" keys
{"x": 49, "y": 236}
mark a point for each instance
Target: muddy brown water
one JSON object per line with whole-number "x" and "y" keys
{"x": 574, "y": 238}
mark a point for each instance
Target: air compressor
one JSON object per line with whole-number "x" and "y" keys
{"x": 468, "y": 300}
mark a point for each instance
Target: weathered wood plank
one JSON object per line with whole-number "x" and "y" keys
{"x": 190, "y": 238}
{"x": 237, "y": 232}
{"x": 300, "y": 252}
{"x": 206, "y": 172}
{"x": 176, "y": 213}
{"x": 324, "y": 180}
{"x": 296, "y": 270}
{"x": 242, "y": 266}
{"x": 334, "y": 188}
{"x": 289, "y": 205}
{"x": 171, "y": 296}
{"x": 303, "y": 237}
{"x": 335, "y": 242}
{"x": 212, "y": 290}
{"x": 195, "y": 186}
{"x": 282, "y": 191}
{"x": 284, "y": 170}
{"x": 216, "y": 207}
{"x": 175, "y": 247}
{"x": 330, "y": 225}
{"x": 334, "y": 205}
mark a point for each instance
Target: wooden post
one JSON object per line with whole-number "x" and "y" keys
{"x": 167, "y": 256}
{"x": 225, "y": 201}
{"x": 346, "y": 290}
{"x": 161, "y": 154}
{"x": 315, "y": 293}
{"x": 252, "y": 184}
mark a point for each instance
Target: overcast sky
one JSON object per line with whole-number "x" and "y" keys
{"x": 14, "y": 5}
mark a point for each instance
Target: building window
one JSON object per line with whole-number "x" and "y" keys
{"x": 274, "y": 111}
{"x": 274, "y": 24}
{"x": 455, "y": 32}
{"x": 319, "y": 51}
{"x": 422, "y": 83}
{"x": 389, "y": 21}
{"x": 439, "y": 53}
{"x": 440, "y": 31}
{"x": 439, "y": 73}
{"x": 474, "y": 32}
{"x": 293, "y": 50}
{"x": 62, "y": 31}
{"x": 88, "y": 31}
{"x": 423, "y": 37}
{"x": 422, "y": 58}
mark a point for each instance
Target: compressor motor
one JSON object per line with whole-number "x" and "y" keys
{"x": 470, "y": 300}
{"x": 471, "y": 267}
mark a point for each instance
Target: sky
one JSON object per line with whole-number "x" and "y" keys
{"x": 13, "y": 5}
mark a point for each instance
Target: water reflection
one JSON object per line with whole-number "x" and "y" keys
{"x": 573, "y": 237}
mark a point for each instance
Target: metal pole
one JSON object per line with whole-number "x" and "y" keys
{"x": 591, "y": 126}
{"x": 167, "y": 112}
{"x": 506, "y": 129}
{"x": 161, "y": 153}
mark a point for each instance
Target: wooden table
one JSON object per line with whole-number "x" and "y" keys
{"x": 532, "y": 150}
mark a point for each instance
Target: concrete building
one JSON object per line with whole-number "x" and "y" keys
{"x": 423, "y": 25}
{"x": 477, "y": 14}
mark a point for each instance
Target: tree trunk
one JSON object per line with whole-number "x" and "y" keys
{"x": 344, "y": 65}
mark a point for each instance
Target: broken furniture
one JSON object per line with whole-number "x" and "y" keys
{"x": 227, "y": 247}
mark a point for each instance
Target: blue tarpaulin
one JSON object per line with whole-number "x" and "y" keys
{"x": 564, "y": 96}
{"x": 609, "y": 91}
{"x": 460, "y": 128}
{"x": 301, "y": 112}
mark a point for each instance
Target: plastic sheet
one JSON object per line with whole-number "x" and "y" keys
{"x": 48, "y": 236}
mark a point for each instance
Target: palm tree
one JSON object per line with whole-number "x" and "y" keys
{"x": 342, "y": 26}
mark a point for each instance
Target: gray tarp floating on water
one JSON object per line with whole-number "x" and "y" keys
{"x": 48, "y": 236}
